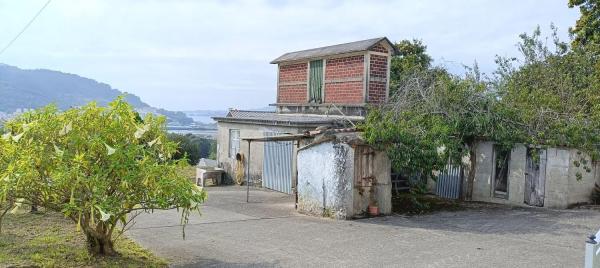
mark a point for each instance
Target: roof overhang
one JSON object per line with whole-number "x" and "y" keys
{"x": 358, "y": 46}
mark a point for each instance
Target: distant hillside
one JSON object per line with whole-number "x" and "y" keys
{"x": 36, "y": 88}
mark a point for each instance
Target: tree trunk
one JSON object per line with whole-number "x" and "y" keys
{"x": 4, "y": 212}
{"x": 101, "y": 245}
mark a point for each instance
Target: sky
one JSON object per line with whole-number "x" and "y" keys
{"x": 214, "y": 55}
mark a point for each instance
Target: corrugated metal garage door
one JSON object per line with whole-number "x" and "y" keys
{"x": 277, "y": 165}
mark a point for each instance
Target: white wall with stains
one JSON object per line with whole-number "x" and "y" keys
{"x": 325, "y": 178}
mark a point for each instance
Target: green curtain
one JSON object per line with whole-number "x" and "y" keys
{"x": 315, "y": 88}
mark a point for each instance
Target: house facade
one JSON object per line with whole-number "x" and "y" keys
{"x": 348, "y": 76}
{"x": 322, "y": 87}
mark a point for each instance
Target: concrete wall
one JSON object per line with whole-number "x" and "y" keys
{"x": 483, "y": 172}
{"x": 257, "y": 148}
{"x": 325, "y": 178}
{"x": 561, "y": 188}
{"x": 581, "y": 190}
{"x": 557, "y": 178}
{"x": 330, "y": 181}
{"x": 516, "y": 175}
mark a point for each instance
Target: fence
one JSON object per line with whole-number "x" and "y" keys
{"x": 449, "y": 182}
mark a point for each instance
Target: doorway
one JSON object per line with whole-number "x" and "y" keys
{"x": 535, "y": 177}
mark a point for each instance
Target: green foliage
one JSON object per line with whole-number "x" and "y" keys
{"x": 412, "y": 58}
{"x": 96, "y": 165}
{"x": 431, "y": 119}
{"x": 545, "y": 97}
{"x": 193, "y": 147}
{"x": 554, "y": 93}
{"x": 587, "y": 28}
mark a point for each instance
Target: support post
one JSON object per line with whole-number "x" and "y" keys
{"x": 591, "y": 248}
{"x": 296, "y": 179}
{"x": 248, "y": 175}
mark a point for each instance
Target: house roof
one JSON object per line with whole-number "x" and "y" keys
{"x": 272, "y": 118}
{"x": 356, "y": 46}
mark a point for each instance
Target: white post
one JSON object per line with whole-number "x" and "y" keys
{"x": 248, "y": 175}
{"x": 591, "y": 249}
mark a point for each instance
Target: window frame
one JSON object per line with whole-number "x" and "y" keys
{"x": 309, "y": 79}
{"x": 233, "y": 140}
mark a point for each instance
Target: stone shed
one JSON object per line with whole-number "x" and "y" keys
{"x": 339, "y": 176}
{"x": 529, "y": 176}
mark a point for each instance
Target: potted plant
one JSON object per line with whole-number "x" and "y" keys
{"x": 373, "y": 208}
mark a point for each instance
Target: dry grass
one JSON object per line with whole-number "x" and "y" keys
{"x": 47, "y": 239}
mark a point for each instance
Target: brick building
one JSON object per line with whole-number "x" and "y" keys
{"x": 324, "y": 86}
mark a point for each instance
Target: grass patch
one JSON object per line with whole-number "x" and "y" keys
{"x": 47, "y": 239}
{"x": 408, "y": 204}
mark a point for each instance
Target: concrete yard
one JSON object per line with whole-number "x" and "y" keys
{"x": 267, "y": 232}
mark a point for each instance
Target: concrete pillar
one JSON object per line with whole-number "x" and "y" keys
{"x": 516, "y": 174}
{"x": 557, "y": 174}
{"x": 482, "y": 186}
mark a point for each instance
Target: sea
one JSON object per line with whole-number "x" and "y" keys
{"x": 199, "y": 118}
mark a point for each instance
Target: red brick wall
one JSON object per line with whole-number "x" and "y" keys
{"x": 337, "y": 73}
{"x": 377, "y": 81}
{"x": 292, "y": 83}
{"x": 379, "y": 48}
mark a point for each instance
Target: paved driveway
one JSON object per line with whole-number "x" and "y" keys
{"x": 268, "y": 233}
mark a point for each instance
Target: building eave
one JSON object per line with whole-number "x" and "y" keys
{"x": 272, "y": 122}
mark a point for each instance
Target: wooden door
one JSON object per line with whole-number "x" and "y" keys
{"x": 535, "y": 177}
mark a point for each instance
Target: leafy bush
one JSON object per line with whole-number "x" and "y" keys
{"x": 193, "y": 147}
{"x": 96, "y": 165}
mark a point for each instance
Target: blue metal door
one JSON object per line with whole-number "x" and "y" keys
{"x": 277, "y": 165}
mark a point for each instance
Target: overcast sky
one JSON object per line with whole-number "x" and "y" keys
{"x": 190, "y": 55}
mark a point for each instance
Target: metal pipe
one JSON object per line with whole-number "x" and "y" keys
{"x": 248, "y": 175}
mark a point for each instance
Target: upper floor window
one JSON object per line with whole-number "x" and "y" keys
{"x": 315, "y": 83}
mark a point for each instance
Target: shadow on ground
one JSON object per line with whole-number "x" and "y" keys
{"x": 220, "y": 263}
{"x": 479, "y": 218}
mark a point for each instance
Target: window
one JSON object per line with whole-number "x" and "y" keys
{"x": 234, "y": 142}
{"x": 501, "y": 161}
{"x": 315, "y": 86}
